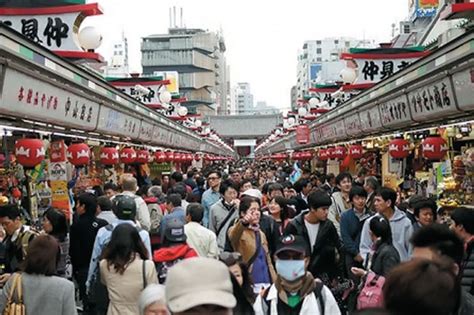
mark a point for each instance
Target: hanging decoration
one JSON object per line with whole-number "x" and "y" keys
{"x": 128, "y": 156}
{"x": 79, "y": 154}
{"x": 29, "y": 152}
{"x": 399, "y": 148}
{"x": 143, "y": 156}
{"x": 160, "y": 157}
{"x": 323, "y": 155}
{"x": 356, "y": 151}
{"x": 340, "y": 152}
{"x": 170, "y": 156}
{"x": 109, "y": 156}
{"x": 434, "y": 148}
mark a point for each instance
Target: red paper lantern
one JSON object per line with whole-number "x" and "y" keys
{"x": 143, "y": 156}
{"x": 109, "y": 156}
{"x": 197, "y": 157}
{"x": 189, "y": 157}
{"x": 340, "y": 152}
{"x": 435, "y": 148}
{"x": 128, "y": 156}
{"x": 296, "y": 156}
{"x": 78, "y": 154}
{"x": 307, "y": 155}
{"x": 177, "y": 157}
{"x": 399, "y": 148}
{"x": 29, "y": 152}
{"x": 331, "y": 153}
{"x": 160, "y": 157}
{"x": 356, "y": 151}
{"x": 323, "y": 155}
{"x": 169, "y": 156}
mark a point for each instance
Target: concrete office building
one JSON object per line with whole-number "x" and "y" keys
{"x": 199, "y": 58}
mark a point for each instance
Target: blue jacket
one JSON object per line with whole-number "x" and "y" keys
{"x": 351, "y": 229}
{"x": 209, "y": 197}
{"x": 402, "y": 230}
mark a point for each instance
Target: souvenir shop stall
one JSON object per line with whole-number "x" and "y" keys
{"x": 413, "y": 130}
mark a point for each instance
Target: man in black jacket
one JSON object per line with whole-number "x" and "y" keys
{"x": 83, "y": 233}
{"x": 320, "y": 235}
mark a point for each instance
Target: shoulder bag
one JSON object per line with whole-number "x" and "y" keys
{"x": 15, "y": 304}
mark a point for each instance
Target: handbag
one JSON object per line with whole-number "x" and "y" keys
{"x": 14, "y": 305}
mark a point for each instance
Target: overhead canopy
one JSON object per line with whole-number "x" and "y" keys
{"x": 37, "y": 86}
{"x": 435, "y": 90}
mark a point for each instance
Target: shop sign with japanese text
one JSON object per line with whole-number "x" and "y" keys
{"x": 118, "y": 123}
{"x": 27, "y": 97}
{"x": 55, "y": 28}
{"x": 370, "y": 119}
{"x": 375, "y": 70}
{"x": 146, "y": 131}
{"x": 395, "y": 111}
{"x": 352, "y": 124}
{"x": 432, "y": 100}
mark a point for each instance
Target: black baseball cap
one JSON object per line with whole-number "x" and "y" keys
{"x": 294, "y": 243}
{"x": 174, "y": 231}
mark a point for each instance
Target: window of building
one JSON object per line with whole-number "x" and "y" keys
{"x": 318, "y": 42}
{"x": 336, "y": 42}
{"x": 319, "y": 51}
{"x": 348, "y": 44}
{"x": 319, "y": 59}
{"x": 406, "y": 28}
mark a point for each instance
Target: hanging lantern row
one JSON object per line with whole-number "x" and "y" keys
{"x": 302, "y": 156}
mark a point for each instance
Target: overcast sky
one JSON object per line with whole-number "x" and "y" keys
{"x": 262, "y": 37}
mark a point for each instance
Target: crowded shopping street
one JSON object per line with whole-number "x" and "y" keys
{"x": 308, "y": 158}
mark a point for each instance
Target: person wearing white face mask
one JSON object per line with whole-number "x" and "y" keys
{"x": 295, "y": 290}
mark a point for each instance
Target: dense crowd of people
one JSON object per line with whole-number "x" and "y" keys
{"x": 240, "y": 238}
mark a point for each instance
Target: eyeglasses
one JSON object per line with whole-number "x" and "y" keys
{"x": 213, "y": 178}
{"x": 230, "y": 258}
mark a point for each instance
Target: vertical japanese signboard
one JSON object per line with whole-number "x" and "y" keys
{"x": 58, "y": 178}
{"x": 302, "y": 134}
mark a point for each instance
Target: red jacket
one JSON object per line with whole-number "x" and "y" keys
{"x": 182, "y": 251}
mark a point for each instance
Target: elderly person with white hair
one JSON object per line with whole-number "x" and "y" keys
{"x": 152, "y": 300}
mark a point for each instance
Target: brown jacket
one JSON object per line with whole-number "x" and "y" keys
{"x": 243, "y": 241}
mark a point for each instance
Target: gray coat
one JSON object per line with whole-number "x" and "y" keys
{"x": 43, "y": 295}
{"x": 218, "y": 213}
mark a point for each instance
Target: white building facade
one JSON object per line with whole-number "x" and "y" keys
{"x": 319, "y": 63}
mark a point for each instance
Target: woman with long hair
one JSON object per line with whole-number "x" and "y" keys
{"x": 42, "y": 291}
{"x": 278, "y": 210}
{"x": 55, "y": 224}
{"x": 385, "y": 256}
{"x": 126, "y": 270}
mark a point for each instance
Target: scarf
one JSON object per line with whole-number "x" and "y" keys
{"x": 292, "y": 293}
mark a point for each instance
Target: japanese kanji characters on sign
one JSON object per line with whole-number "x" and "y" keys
{"x": 35, "y": 99}
{"x": 373, "y": 71}
{"x": 374, "y": 66}
{"x": 432, "y": 99}
{"x": 56, "y": 30}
